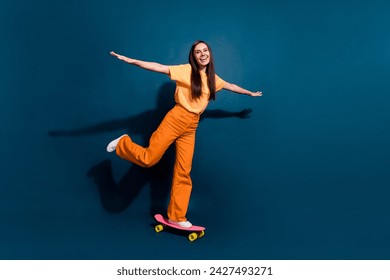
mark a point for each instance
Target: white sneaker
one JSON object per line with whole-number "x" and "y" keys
{"x": 185, "y": 224}
{"x": 112, "y": 145}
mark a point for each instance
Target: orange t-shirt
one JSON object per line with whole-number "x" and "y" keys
{"x": 182, "y": 75}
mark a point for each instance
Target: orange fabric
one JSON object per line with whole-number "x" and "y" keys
{"x": 182, "y": 75}
{"x": 179, "y": 126}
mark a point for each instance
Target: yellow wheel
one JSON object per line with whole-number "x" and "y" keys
{"x": 192, "y": 237}
{"x": 201, "y": 234}
{"x": 158, "y": 228}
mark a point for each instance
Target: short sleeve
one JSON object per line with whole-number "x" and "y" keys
{"x": 219, "y": 83}
{"x": 180, "y": 73}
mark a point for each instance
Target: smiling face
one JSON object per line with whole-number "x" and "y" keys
{"x": 202, "y": 56}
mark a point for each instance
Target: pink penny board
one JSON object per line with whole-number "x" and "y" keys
{"x": 166, "y": 222}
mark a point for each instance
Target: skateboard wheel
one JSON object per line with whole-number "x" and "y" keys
{"x": 201, "y": 234}
{"x": 158, "y": 228}
{"x": 192, "y": 237}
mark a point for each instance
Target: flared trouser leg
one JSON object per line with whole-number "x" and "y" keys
{"x": 181, "y": 182}
{"x": 178, "y": 126}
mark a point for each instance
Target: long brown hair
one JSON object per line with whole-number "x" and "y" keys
{"x": 196, "y": 81}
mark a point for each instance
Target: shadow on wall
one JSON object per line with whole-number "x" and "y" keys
{"x": 116, "y": 197}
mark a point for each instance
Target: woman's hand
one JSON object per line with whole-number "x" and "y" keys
{"x": 121, "y": 57}
{"x": 257, "y": 93}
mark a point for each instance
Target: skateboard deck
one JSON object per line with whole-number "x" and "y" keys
{"x": 195, "y": 231}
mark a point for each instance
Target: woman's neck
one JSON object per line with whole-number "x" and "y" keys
{"x": 202, "y": 69}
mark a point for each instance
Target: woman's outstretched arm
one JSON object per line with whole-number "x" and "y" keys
{"x": 240, "y": 90}
{"x": 151, "y": 66}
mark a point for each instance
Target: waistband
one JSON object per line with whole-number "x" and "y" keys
{"x": 185, "y": 110}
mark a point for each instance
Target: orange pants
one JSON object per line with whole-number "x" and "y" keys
{"x": 179, "y": 126}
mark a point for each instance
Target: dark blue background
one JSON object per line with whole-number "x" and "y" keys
{"x": 305, "y": 176}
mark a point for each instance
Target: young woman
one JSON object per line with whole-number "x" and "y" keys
{"x": 196, "y": 85}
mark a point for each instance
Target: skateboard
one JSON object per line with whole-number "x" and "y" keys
{"x": 195, "y": 231}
